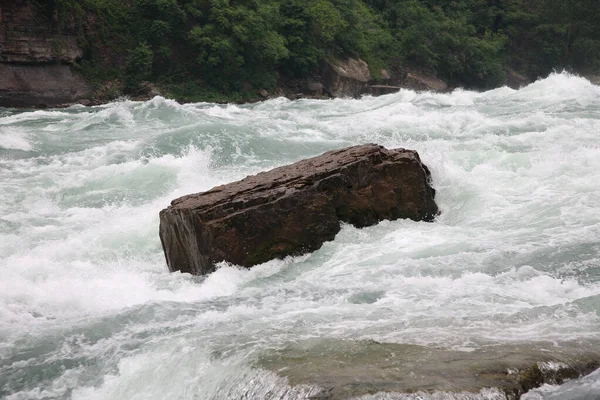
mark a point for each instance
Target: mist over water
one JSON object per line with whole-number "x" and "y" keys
{"x": 88, "y": 309}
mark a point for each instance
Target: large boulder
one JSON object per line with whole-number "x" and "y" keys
{"x": 424, "y": 81}
{"x": 345, "y": 78}
{"x": 515, "y": 80}
{"x": 294, "y": 209}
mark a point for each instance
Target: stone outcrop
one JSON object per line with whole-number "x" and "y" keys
{"x": 146, "y": 91}
{"x": 423, "y": 81}
{"x": 594, "y": 79}
{"x": 29, "y": 35}
{"x": 402, "y": 77}
{"x": 343, "y": 370}
{"x": 379, "y": 90}
{"x": 345, "y": 78}
{"x": 294, "y": 209}
{"x": 24, "y": 85}
{"x": 35, "y": 56}
{"x": 515, "y": 80}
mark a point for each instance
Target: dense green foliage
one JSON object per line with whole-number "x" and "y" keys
{"x": 228, "y": 45}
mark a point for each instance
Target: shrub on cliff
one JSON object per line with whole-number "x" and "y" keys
{"x": 139, "y": 66}
{"x": 224, "y": 45}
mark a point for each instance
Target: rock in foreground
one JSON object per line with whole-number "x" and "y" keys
{"x": 294, "y": 209}
{"x": 346, "y": 369}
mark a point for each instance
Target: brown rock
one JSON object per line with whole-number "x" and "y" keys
{"x": 350, "y": 369}
{"x": 27, "y": 35}
{"x": 424, "y": 81}
{"x": 345, "y": 78}
{"x": 146, "y": 91}
{"x": 594, "y": 79}
{"x": 378, "y": 90}
{"x": 35, "y": 53}
{"x": 34, "y": 85}
{"x": 315, "y": 88}
{"x": 263, "y": 93}
{"x": 515, "y": 80}
{"x": 294, "y": 209}
{"x": 385, "y": 75}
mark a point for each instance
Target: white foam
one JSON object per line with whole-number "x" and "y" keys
{"x": 512, "y": 258}
{"x": 14, "y": 139}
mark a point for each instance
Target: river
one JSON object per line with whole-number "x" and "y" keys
{"x": 88, "y": 309}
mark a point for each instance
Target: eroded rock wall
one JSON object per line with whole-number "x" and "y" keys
{"x": 36, "y": 53}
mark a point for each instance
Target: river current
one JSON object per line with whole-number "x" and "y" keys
{"x": 88, "y": 309}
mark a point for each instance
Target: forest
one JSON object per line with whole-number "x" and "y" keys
{"x": 218, "y": 46}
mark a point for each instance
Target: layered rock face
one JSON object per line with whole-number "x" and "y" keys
{"x": 35, "y": 56}
{"x": 294, "y": 209}
{"x": 24, "y": 85}
{"x": 27, "y": 35}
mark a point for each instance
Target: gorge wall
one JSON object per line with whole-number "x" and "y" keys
{"x": 37, "y": 51}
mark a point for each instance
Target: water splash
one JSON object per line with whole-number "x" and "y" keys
{"x": 88, "y": 310}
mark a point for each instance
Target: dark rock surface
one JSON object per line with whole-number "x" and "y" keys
{"x": 594, "y": 79}
{"x": 29, "y": 35}
{"x": 515, "y": 80}
{"x": 423, "y": 81}
{"x": 146, "y": 91}
{"x": 40, "y": 86}
{"x": 35, "y": 56}
{"x": 345, "y": 78}
{"x": 345, "y": 369}
{"x": 402, "y": 77}
{"x": 378, "y": 90}
{"x": 294, "y": 209}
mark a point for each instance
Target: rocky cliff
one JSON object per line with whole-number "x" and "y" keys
{"x": 36, "y": 53}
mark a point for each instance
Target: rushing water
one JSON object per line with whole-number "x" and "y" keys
{"x": 88, "y": 309}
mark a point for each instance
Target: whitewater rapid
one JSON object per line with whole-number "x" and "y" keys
{"x": 88, "y": 309}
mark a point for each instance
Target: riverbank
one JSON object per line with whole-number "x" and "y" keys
{"x": 88, "y": 310}
{"x": 94, "y": 51}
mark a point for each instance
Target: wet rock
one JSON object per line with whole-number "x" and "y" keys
{"x": 345, "y": 78}
{"x": 294, "y": 209}
{"x": 263, "y": 93}
{"x": 24, "y": 85}
{"x": 424, "y": 81}
{"x": 345, "y": 369}
{"x": 515, "y": 80}
{"x": 146, "y": 91}
{"x": 315, "y": 88}
{"x": 385, "y": 75}
{"x": 378, "y": 90}
{"x": 86, "y": 102}
{"x": 594, "y": 79}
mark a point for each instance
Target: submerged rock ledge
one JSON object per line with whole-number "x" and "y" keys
{"x": 294, "y": 209}
{"x": 346, "y": 369}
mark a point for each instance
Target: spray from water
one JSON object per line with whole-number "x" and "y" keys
{"x": 88, "y": 309}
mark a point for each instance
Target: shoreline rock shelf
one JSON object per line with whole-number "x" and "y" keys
{"x": 348, "y": 369}
{"x": 294, "y": 209}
